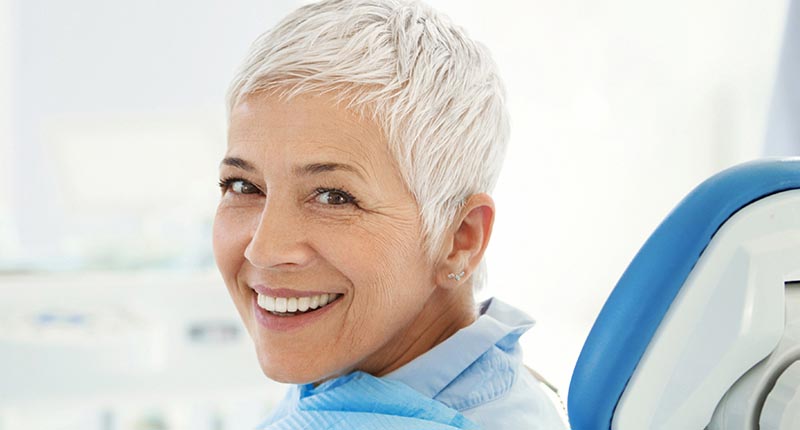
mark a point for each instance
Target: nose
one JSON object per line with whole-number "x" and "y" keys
{"x": 279, "y": 241}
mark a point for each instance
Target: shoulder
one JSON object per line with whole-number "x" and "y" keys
{"x": 526, "y": 404}
{"x": 496, "y": 390}
{"x": 479, "y": 372}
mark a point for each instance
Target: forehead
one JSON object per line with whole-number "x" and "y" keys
{"x": 305, "y": 128}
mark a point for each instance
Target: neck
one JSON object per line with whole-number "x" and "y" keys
{"x": 446, "y": 312}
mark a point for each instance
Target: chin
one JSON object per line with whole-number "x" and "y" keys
{"x": 288, "y": 373}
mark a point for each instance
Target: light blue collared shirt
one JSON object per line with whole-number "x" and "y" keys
{"x": 479, "y": 372}
{"x": 474, "y": 379}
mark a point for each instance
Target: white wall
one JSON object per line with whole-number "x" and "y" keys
{"x": 783, "y": 130}
{"x": 7, "y": 44}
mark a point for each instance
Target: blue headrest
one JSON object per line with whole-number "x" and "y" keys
{"x": 637, "y": 305}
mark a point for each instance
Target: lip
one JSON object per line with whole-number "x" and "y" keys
{"x": 285, "y": 292}
{"x": 285, "y": 324}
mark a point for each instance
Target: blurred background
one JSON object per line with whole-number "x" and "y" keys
{"x": 112, "y": 124}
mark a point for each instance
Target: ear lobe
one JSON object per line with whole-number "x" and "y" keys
{"x": 467, "y": 241}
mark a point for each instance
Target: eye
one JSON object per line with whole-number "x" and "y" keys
{"x": 334, "y": 197}
{"x": 238, "y": 186}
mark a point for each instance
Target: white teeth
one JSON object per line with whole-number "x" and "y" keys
{"x": 295, "y": 304}
{"x": 266, "y": 302}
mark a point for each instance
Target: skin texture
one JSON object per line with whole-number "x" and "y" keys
{"x": 285, "y": 222}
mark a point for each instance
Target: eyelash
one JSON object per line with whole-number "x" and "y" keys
{"x": 226, "y": 184}
{"x": 350, "y": 199}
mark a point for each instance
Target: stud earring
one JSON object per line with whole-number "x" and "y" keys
{"x": 456, "y": 277}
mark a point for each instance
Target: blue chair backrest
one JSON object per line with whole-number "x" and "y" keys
{"x": 644, "y": 293}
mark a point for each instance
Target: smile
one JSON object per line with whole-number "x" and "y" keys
{"x": 290, "y": 306}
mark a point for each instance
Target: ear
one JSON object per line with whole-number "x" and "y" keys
{"x": 466, "y": 241}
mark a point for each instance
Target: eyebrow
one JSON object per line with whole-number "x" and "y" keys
{"x": 308, "y": 169}
{"x": 238, "y": 162}
{"x": 317, "y": 168}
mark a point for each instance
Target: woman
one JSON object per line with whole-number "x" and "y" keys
{"x": 364, "y": 137}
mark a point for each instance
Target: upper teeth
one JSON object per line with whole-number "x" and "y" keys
{"x": 295, "y": 304}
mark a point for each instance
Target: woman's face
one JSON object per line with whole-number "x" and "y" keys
{"x": 313, "y": 208}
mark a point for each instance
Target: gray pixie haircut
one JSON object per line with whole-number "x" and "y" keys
{"x": 435, "y": 93}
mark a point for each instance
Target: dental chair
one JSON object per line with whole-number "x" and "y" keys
{"x": 703, "y": 329}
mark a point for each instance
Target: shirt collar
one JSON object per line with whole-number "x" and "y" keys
{"x": 498, "y": 324}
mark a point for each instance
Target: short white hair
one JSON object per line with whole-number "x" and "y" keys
{"x": 434, "y": 91}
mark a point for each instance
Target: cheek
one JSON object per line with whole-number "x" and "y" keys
{"x": 230, "y": 238}
{"x": 390, "y": 275}
{"x": 373, "y": 253}
{"x": 395, "y": 249}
